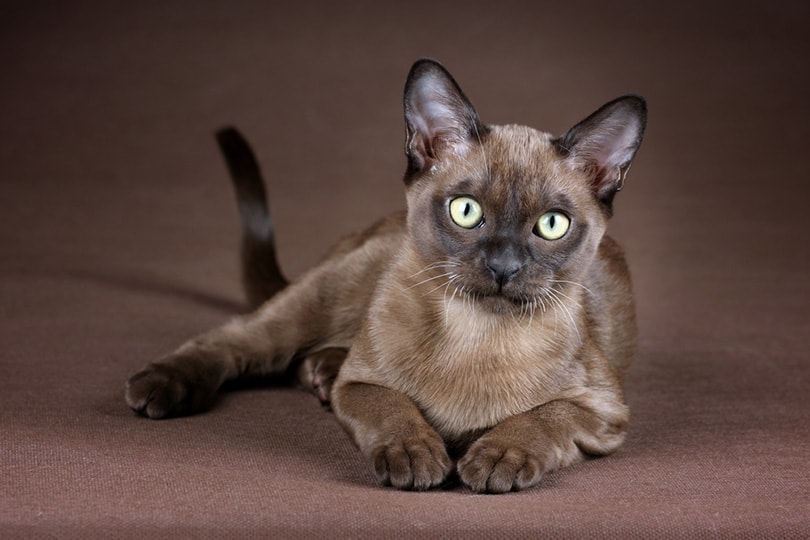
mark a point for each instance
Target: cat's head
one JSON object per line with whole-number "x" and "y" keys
{"x": 509, "y": 211}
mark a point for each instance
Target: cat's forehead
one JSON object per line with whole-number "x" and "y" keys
{"x": 512, "y": 170}
{"x": 519, "y": 146}
{"x": 514, "y": 151}
{"x": 518, "y": 159}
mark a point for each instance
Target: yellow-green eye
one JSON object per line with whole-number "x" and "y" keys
{"x": 552, "y": 225}
{"x": 466, "y": 212}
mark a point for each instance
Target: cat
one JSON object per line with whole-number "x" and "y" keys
{"x": 482, "y": 335}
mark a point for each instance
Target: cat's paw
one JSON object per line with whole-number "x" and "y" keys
{"x": 493, "y": 466}
{"x": 318, "y": 371}
{"x": 165, "y": 390}
{"x": 418, "y": 461}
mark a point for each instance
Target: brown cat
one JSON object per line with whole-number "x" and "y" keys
{"x": 490, "y": 324}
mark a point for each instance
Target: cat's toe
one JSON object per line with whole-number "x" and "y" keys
{"x": 319, "y": 370}
{"x": 493, "y": 468}
{"x": 417, "y": 463}
{"x": 151, "y": 392}
{"x": 162, "y": 391}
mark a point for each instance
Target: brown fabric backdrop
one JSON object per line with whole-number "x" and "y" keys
{"x": 119, "y": 238}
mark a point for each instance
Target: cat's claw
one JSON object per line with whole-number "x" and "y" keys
{"x": 321, "y": 388}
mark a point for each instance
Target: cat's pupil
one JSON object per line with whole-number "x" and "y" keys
{"x": 467, "y": 209}
{"x": 552, "y": 220}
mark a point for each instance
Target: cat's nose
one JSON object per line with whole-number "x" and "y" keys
{"x": 503, "y": 269}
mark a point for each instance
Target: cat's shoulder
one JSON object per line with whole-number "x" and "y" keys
{"x": 390, "y": 229}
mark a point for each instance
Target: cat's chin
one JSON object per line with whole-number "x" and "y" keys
{"x": 498, "y": 303}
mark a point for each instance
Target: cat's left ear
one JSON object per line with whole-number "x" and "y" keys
{"x": 604, "y": 144}
{"x": 439, "y": 119}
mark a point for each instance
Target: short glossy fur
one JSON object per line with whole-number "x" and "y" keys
{"x": 490, "y": 349}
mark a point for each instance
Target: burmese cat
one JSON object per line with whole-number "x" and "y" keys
{"x": 485, "y": 331}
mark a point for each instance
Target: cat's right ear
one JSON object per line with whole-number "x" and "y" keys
{"x": 439, "y": 119}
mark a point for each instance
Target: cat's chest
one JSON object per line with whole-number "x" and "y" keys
{"x": 470, "y": 370}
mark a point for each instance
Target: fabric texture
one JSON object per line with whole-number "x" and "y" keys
{"x": 120, "y": 235}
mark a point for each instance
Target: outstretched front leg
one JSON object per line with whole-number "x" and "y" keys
{"x": 390, "y": 431}
{"x": 323, "y": 309}
{"x": 187, "y": 380}
{"x": 314, "y": 313}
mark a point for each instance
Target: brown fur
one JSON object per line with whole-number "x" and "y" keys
{"x": 516, "y": 371}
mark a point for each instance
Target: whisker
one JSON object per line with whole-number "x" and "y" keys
{"x": 566, "y": 296}
{"x": 433, "y": 266}
{"x": 543, "y": 312}
{"x": 547, "y": 294}
{"x": 453, "y": 278}
{"x": 468, "y": 299}
{"x": 446, "y": 274}
{"x": 566, "y": 311}
{"x": 572, "y": 283}
{"x": 447, "y": 305}
{"x": 527, "y": 308}
{"x": 450, "y": 281}
{"x": 464, "y": 297}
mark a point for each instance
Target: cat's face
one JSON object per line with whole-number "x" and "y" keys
{"x": 509, "y": 218}
{"x": 507, "y": 212}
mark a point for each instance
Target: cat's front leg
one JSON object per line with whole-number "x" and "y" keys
{"x": 516, "y": 453}
{"x": 258, "y": 344}
{"x": 323, "y": 309}
{"x": 176, "y": 385}
{"x": 386, "y": 425}
{"x": 187, "y": 380}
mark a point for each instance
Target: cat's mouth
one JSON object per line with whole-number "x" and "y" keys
{"x": 512, "y": 298}
{"x": 501, "y": 302}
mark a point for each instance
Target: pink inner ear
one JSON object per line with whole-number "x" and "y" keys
{"x": 440, "y": 117}
{"x": 430, "y": 149}
{"x": 432, "y": 106}
{"x": 607, "y": 150}
{"x": 438, "y": 128}
{"x": 613, "y": 144}
{"x": 423, "y": 148}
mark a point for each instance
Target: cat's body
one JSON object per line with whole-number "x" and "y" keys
{"x": 491, "y": 323}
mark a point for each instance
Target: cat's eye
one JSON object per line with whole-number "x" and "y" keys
{"x": 466, "y": 212}
{"x": 552, "y": 225}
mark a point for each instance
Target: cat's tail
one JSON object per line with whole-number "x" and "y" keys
{"x": 261, "y": 275}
